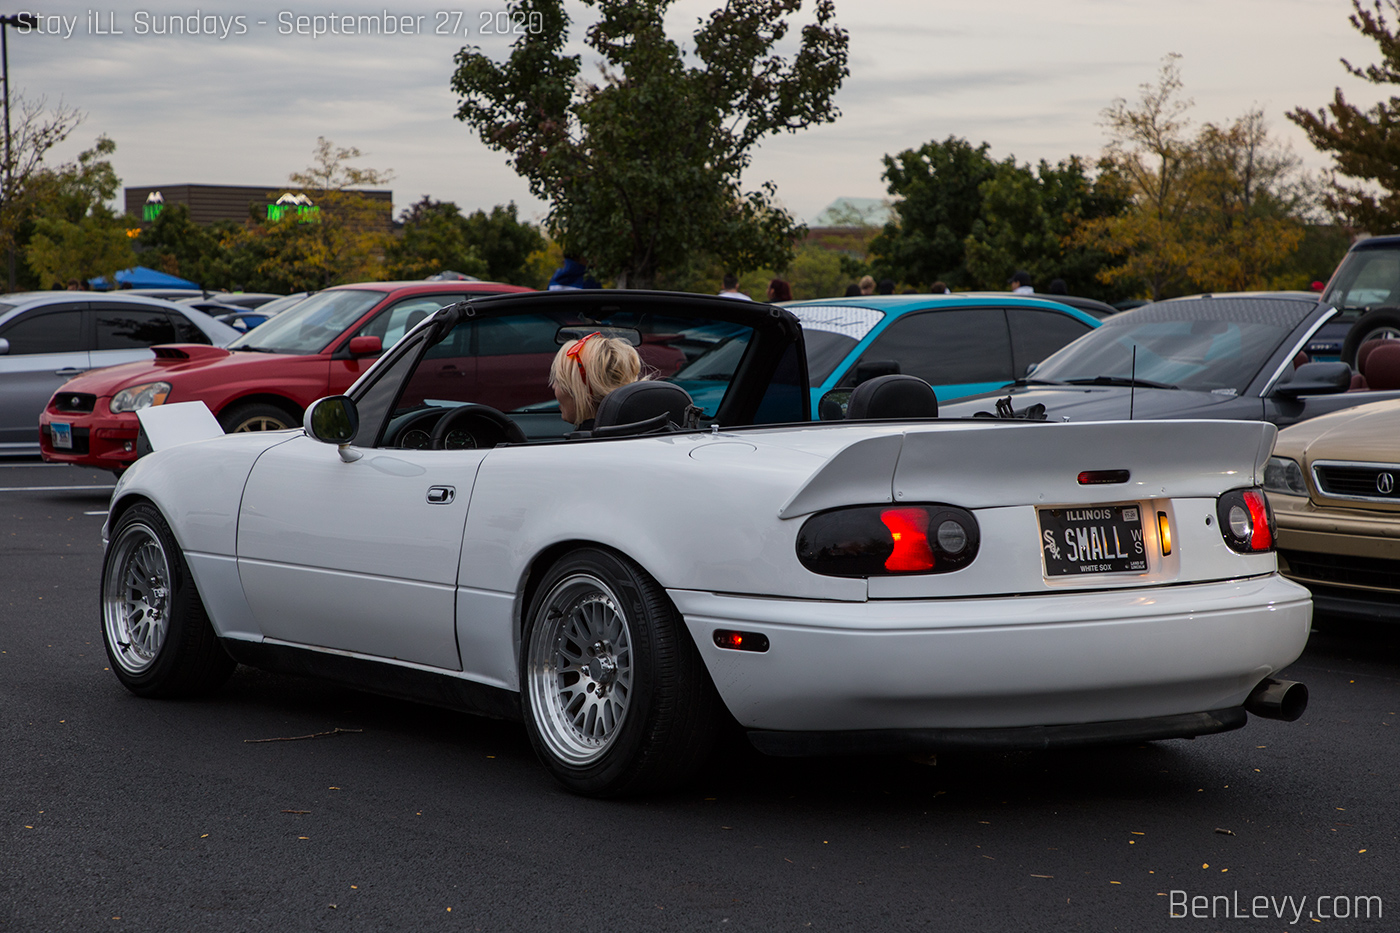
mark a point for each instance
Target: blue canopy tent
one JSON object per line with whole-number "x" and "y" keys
{"x": 141, "y": 277}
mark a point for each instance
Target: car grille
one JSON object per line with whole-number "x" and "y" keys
{"x": 1375, "y": 482}
{"x": 1343, "y": 570}
{"x": 81, "y": 402}
{"x": 80, "y": 440}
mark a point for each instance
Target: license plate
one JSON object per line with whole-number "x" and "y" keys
{"x": 61, "y": 435}
{"x": 1092, "y": 539}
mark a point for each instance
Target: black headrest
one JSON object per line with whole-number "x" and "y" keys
{"x": 893, "y": 397}
{"x": 640, "y": 402}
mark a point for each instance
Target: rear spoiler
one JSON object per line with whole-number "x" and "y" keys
{"x": 1024, "y": 463}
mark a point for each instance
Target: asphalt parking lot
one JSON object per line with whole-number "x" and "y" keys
{"x": 283, "y": 804}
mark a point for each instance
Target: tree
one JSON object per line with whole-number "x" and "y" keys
{"x": 176, "y": 245}
{"x": 36, "y": 130}
{"x": 75, "y": 234}
{"x": 1028, "y": 219}
{"x": 342, "y": 240}
{"x": 938, "y": 187}
{"x": 434, "y": 239}
{"x": 1217, "y": 210}
{"x": 1365, "y": 144}
{"x": 504, "y": 242}
{"x": 642, "y": 169}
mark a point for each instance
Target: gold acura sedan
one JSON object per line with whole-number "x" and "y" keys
{"x": 1334, "y": 483}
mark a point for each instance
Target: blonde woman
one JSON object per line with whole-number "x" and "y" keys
{"x": 587, "y": 369}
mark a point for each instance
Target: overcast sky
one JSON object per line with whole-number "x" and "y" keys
{"x": 1030, "y": 77}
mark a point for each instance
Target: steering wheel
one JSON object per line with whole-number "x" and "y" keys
{"x": 471, "y": 415}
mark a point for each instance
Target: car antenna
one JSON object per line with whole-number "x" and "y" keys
{"x": 1132, "y": 383}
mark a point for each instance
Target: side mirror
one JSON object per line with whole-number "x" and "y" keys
{"x": 334, "y": 420}
{"x": 832, "y": 406}
{"x": 4, "y": 346}
{"x": 867, "y": 370}
{"x": 1316, "y": 379}
{"x": 366, "y": 346}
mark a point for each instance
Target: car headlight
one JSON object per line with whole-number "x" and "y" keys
{"x": 138, "y": 397}
{"x": 1284, "y": 475}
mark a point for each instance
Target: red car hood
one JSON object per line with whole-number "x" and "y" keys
{"x": 213, "y": 364}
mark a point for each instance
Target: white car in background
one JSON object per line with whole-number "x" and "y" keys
{"x": 889, "y": 582}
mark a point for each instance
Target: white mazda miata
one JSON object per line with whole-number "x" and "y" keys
{"x": 883, "y": 582}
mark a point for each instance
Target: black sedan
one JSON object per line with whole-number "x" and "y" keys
{"x": 1210, "y": 356}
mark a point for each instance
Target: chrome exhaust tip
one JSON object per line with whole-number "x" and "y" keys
{"x": 1278, "y": 699}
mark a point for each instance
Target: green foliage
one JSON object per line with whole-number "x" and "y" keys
{"x": 178, "y": 246}
{"x": 938, "y": 187}
{"x": 1364, "y": 144}
{"x": 505, "y": 243}
{"x": 1027, "y": 221}
{"x": 642, "y": 169}
{"x": 74, "y": 234}
{"x": 434, "y": 239}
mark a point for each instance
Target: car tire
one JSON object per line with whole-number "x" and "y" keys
{"x": 255, "y": 416}
{"x": 154, "y": 626}
{"x": 1381, "y": 322}
{"x": 616, "y": 698}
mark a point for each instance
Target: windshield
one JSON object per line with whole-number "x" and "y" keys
{"x": 311, "y": 325}
{"x": 1207, "y": 345}
{"x": 278, "y": 305}
{"x": 1367, "y": 278}
{"x": 829, "y": 332}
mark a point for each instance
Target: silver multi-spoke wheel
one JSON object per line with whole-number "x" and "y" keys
{"x": 136, "y": 597}
{"x": 580, "y": 668}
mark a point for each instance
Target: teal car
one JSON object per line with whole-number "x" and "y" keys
{"x": 960, "y": 344}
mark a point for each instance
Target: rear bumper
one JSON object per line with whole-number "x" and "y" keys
{"x": 909, "y": 741}
{"x": 1000, "y": 663}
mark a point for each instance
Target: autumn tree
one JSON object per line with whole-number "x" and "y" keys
{"x": 1212, "y": 210}
{"x": 433, "y": 239}
{"x": 341, "y": 240}
{"x": 642, "y": 167}
{"x": 1364, "y": 144}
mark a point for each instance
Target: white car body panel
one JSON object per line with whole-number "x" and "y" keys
{"x": 351, "y": 558}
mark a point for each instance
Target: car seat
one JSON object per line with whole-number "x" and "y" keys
{"x": 642, "y": 408}
{"x": 1382, "y": 366}
{"x": 1359, "y": 382}
{"x": 898, "y": 396}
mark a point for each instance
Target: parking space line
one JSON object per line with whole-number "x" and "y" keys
{"x": 30, "y": 466}
{"x": 54, "y": 488}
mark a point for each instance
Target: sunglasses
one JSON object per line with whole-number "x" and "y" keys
{"x": 574, "y": 353}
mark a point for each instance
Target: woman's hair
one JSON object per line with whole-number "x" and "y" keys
{"x": 599, "y": 365}
{"x": 867, "y": 284}
{"x": 781, "y": 290}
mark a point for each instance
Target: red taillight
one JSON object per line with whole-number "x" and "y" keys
{"x": 1246, "y": 521}
{"x": 881, "y": 540}
{"x": 909, "y": 529}
{"x": 1262, "y": 537}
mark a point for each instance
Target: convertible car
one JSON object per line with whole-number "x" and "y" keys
{"x": 886, "y": 583}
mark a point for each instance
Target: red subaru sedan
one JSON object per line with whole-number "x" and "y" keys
{"x": 263, "y": 381}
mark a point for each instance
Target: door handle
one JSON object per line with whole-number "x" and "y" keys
{"x": 69, "y": 372}
{"x": 441, "y": 495}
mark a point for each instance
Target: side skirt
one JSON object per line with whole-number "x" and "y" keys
{"x": 905, "y": 741}
{"x": 384, "y": 678}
